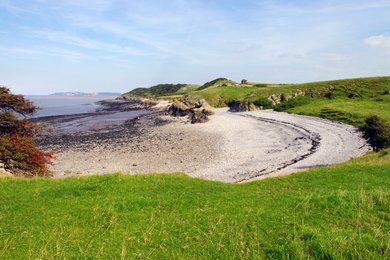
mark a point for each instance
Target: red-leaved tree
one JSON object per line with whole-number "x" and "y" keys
{"x": 19, "y": 153}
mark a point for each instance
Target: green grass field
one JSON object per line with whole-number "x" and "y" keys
{"x": 327, "y": 213}
{"x": 334, "y": 212}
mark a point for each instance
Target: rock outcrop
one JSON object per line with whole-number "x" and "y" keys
{"x": 127, "y": 103}
{"x": 242, "y": 106}
{"x": 279, "y": 98}
{"x": 197, "y": 112}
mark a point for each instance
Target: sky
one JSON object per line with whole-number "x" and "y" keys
{"x": 51, "y": 46}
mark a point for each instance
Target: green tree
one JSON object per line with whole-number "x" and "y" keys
{"x": 377, "y": 133}
{"x": 19, "y": 153}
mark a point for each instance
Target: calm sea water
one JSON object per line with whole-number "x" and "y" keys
{"x": 64, "y": 105}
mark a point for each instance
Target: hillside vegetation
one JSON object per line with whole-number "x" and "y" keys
{"x": 348, "y": 100}
{"x": 328, "y": 213}
{"x": 162, "y": 90}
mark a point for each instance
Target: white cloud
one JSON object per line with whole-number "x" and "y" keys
{"x": 46, "y": 51}
{"x": 380, "y": 41}
{"x": 75, "y": 40}
{"x": 93, "y": 5}
{"x": 29, "y": 51}
{"x": 195, "y": 40}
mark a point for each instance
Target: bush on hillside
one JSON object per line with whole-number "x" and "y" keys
{"x": 139, "y": 92}
{"x": 291, "y": 103}
{"x": 157, "y": 90}
{"x": 329, "y": 95}
{"x": 19, "y": 153}
{"x": 165, "y": 89}
{"x": 377, "y": 133}
{"x": 352, "y": 95}
{"x": 261, "y": 85}
{"x": 263, "y": 102}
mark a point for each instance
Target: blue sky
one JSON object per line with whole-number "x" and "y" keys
{"x": 113, "y": 45}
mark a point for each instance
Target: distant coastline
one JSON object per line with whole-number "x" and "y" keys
{"x": 82, "y": 94}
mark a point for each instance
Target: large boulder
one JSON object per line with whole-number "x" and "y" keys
{"x": 197, "y": 112}
{"x": 198, "y": 115}
{"x": 178, "y": 108}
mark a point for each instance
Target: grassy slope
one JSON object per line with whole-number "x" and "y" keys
{"x": 358, "y": 109}
{"x": 372, "y": 101}
{"x": 334, "y": 212}
{"x": 370, "y": 98}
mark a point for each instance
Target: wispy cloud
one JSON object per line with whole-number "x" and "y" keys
{"x": 75, "y": 40}
{"x": 271, "y": 40}
{"x": 122, "y": 30}
{"x": 28, "y": 51}
{"x": 379, "y": 41}
{"x": 9, "y": 7}
{"x": 46, "y": 51}
{"x": 94, "y": 5}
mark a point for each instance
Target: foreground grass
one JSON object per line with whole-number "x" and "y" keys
{"x": 334, "y": 212}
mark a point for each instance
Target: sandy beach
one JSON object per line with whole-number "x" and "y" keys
{"x": 231, "y": 147}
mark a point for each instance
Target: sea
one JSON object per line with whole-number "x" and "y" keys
{"x": 52, "y": 105}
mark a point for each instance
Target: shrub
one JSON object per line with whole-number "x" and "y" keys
{"x": 261, "y": 85}
{"x": 329, "y": 95}
{"x": 9, "y": 124}
{"x": 263, "y": 102}
{"x": 291, "y": 103}
{"x": 377, "y": 133}
{"x": 19, "y": 153}
{"x": 283, "y": 97}
{"x": 352, "y": 95}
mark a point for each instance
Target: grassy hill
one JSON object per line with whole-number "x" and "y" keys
{"x": 328, "y": 213}
{"x": 219, "y": 82}
{"x": 162, "y": 90}
{"x": 169, "y": 90}
{"x": 348, "y": 100}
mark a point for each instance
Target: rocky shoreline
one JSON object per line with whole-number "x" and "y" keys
{"x": 231, "y": 147}
{"x": 143, "y": 140}
{"x": 84, "y": 140}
